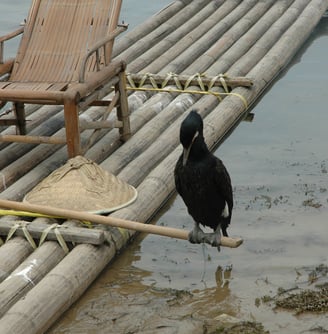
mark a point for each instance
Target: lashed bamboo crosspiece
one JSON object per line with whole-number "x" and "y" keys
{"x": 195, "y": 84}
{"x": 43, "y": 231}
{"x": 183, "y": 82}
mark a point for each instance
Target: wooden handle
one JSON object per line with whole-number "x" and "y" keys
{"x": 111, "y": 221}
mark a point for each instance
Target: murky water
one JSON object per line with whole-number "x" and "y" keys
{"x": 278, "y": 165}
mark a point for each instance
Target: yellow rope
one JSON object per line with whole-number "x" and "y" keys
{"x": 189, "y": 81}
{"x": 223, "y": 82}
{"x": 131, "y": 82}
{"x": 4, "y": 212}
{"x": 200, "y": 82}
{"x": 23, "y": 226}
{"x": 167, "y": 79}
{"x": 59, "y": 237}
{"x": 29, "y": 238}
{"x": 124, "y": 233}
{"x": 27, "y": 233}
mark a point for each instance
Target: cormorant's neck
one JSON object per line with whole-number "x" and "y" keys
{"x": 198, "y": 149}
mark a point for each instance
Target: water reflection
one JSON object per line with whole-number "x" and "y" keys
{"x": 127, "y": 298}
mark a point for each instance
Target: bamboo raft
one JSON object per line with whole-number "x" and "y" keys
{"x": 252, "y": 39}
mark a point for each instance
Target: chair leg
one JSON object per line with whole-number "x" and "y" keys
{"x": 71, "y": 113}
{"x": 123, "y": 114}
{"x": 20, "y": 116}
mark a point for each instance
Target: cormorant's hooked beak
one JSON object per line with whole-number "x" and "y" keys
{"x": 186, "y": 151}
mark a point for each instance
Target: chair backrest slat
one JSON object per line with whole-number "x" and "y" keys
{"x": 58, "y": 34}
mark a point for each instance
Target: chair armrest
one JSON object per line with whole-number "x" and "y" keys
{"x": 96, "y": 48}
{"x": 6, "y": 38}
{"x": 96, "y": 80}
{"x": 6, "y": 67}
{"x": 11, "y": 35}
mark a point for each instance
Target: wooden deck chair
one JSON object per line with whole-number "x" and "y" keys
{"x": 64, "y": 58}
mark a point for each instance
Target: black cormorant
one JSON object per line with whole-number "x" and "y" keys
{"x": 203, "y": 182}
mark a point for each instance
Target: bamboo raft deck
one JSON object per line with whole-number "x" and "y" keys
{"x": 253, "y": 39}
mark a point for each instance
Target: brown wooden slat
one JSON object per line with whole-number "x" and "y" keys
{"x": 34, "y": 86}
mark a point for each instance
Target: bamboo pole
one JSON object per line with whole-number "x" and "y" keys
{"x": 56, "y": 291}
{"x": 230, "y": 29}
{"x": 111, "y": 221}
{"x": 270, "y": 37}
{"x": 250, "y": 39}
{"x": 165, "y": 28}
{"x": 12, "y": 253}
{"x": 162, "y": 56}
{"x": 182, "y": 37}
{"x": 178, "y": 56}
{"x": 279, "y": 54}
{"x": 135, "y": 35}
{"x": 29, "y": 273}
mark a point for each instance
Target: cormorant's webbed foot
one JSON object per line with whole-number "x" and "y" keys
{"x": 196, "y": 236}
{"x": 214, "y": 239}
